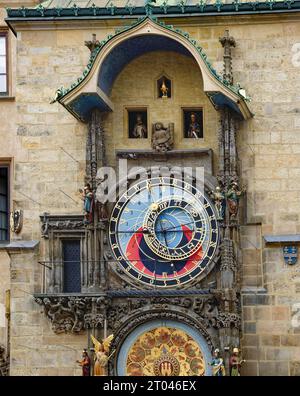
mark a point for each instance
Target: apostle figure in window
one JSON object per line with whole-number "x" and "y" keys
{"x": 194, "y": 130}
{"x": 85, "y": 363}
{"x": 88, "y": 199}
{"x": 139, "y": 130}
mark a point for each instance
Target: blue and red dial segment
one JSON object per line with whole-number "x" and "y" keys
{"x": 163, "y": 232}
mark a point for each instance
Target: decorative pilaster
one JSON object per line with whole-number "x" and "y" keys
{"x": 227, "y": 42}
{"x": 95, "y": 159}
{"x": 229, "y": 189}
{"x": 95, "y": 148}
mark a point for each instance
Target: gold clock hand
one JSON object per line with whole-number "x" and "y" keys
{"x": 174, "y": 228}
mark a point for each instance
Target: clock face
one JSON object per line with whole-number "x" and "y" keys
{"x": 163, "y": 232}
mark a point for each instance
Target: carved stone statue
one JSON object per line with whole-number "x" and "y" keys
{"x": 218, "y": 364}
{"x": 220, "y": 203}
{"x": 16, "y": 221}
{"x": 88, "y": 199}
{"x": 235, "y": 363}
{"x": 162, "y": 138}
{"x": 4, "y": 368}
{"x": 102, "y": 210}
{"x": 139, "y": 130}
{"x": 102, "y": 355}
{"x": 233, "y": 196}
{"x": 85, "y": 363}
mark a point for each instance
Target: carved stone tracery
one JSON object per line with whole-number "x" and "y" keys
{"x": 4, "y": 362}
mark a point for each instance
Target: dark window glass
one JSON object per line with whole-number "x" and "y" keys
{"x": 4, "y": 209}
{"x": 71, "y": 270}
{"x": 3, "y": 64}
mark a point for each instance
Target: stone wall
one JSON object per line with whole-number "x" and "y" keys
{"x": 48, "y": 149}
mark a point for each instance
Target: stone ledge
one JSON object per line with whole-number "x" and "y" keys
{"x": 7, "y": 98}
{"x": 19, "y": 245}
{"x": 289, "y": 238}
{"x": 253, "y": 290}
{"x": 135, "y": 154}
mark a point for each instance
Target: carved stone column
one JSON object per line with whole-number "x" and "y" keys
{"x": 228, "y": 179}
{"x": 95, "y": 158}
{"x": 227, "y": 42}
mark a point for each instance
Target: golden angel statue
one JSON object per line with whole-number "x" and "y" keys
{"x": 102, "y": 355}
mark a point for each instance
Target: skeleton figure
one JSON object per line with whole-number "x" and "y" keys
{"x": 219, "y": 200}
{"x": 162, "y": 138}
{"x": 102, "y": 355}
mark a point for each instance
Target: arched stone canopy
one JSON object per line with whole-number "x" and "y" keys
{"x": 93, "y": 89}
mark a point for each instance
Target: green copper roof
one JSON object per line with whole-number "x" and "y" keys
{"x": 70, "y": 9}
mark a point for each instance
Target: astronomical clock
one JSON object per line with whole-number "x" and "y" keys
{"x": 164, "y": 233}
{"x": 157, "y": 264}
{"x": 164, "y": 237}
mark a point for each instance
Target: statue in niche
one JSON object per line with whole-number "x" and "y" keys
{"x": 88, "y": 199}
{"x": 139, "y": 130}
{"x": 164, "y": 88}
{"x": 16, "y": 221}
{"x": 162, "y": 137}
{"x": 85, "y": 363}
{"x": 233, "y": 197}
{"x": 220, "y": 202}
{"x": 235, "y": 363}
{"x": 217, "y": 364}
{"x": 101, "y": 355}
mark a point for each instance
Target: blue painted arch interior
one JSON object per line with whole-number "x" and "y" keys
{"x": 128, "y": 50}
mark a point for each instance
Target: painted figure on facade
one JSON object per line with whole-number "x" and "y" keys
{"x": 88, "y": 199}
{"x": 85, "y": 363}
{"x": 101, "y": 355}
{"x": 235, "y": 363}
{"x": 217, "y": 364}
{"x": 194, "y": 130}
{"x": 233, "y": 197}
{"x": 139, "y": 130}
{"x": 162, "y": 138}
{"x": 220, "y": 202}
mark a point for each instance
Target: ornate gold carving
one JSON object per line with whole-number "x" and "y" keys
{"x": 165, "y": 351}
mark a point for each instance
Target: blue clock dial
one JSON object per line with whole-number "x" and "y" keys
{"x": 163, "y": 232}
